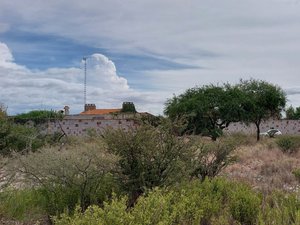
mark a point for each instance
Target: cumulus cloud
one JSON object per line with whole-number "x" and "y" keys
{"x": 23, "y": 89}
{"x": 228, "y": 40}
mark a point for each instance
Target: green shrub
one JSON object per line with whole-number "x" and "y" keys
{"x": 296, "y": 173}
{"x": 190, "y": 203}
{"x": 148, "y": 157}
{"x": 288, "y": 144}
{"x": 214, "y": 202}
{"x": 244, "y": 205}
{"x": 280, "y": 208}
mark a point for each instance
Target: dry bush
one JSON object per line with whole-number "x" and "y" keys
{"x": 209, "y": 159}
{"x": 76, "y": 172}
{"x": 265, "y": 167}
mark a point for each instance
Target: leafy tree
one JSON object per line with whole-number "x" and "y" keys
{"x": 128, "y": 107}
{"x": 207, "y": 109}
{"x": 149, "y": 157}
{"x": 293, "y": 113}
{"x": 261, "y": 101}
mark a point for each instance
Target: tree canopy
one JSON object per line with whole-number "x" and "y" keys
{"x": 209, "y": 109}
{"x": 261, "y": 101}
{"x": 293, "y": 113}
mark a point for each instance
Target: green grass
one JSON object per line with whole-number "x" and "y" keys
{"x": 22, "y": 205}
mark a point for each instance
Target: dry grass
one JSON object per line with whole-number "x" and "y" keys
{"x": 265, "y": 167}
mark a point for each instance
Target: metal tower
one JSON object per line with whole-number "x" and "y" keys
{"x": 84, "y": 90}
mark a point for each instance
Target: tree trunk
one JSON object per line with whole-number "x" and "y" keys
{"x": 257, "y": 131}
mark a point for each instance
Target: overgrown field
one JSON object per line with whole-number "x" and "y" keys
{"x": 150, "y": 176}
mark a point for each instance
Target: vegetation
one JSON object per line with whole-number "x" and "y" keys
{"x": 213, "y": 202}
{"x": 210, "y": 109}
{"x": 68, "y": 175}
{"x": 38, "y": 117}
{"x": 16, "y": 134}
{"x": 97, "y": 175}
{"x": 149, "y": 157}
{"x": 293, "y": 113}
{"x": 209, "y": 159}
{"x": 261, "y": 101}
{"x": 288, "y": 144}
{"x": 155, "y": 173}
{"x": 207, "y": 110}
{"x": 128, "y": 107}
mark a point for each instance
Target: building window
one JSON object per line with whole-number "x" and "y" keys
{"x": 79, "y": 120}
{"x": 99, "y": 123}
{"x": 76, "y": 125}
{"x": 86, "y": 123}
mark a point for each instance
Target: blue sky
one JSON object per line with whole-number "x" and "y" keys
{"x": 142, "y": 51}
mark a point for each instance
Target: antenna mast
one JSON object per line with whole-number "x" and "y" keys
{"x": 84, "y": 90}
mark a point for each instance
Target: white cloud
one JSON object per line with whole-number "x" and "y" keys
{"x": 23, "y": 89}
{"x": 229, "y": 39}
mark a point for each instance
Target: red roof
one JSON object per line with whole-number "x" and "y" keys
{"x": 100, "y": 111}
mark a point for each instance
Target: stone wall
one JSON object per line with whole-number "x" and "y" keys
{"x": 78, "y": 125}
{"x": 291, "y": 127}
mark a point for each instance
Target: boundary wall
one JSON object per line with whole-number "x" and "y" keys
{"x": 289, "y": 127}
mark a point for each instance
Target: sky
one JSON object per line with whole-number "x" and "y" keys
{"x": 144, "y": 51}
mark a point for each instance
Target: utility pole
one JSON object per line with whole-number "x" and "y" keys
{"x": 84, "y": 89}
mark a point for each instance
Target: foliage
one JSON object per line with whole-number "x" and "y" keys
{"x": 296, "y": 173}
{"x": 20, "y": 138}
{"x": 69, "y": 175}
{"x": 207, "y": 109}
{"x": 288, "y": 144}
{"x": 292, "y": 113}
{"x": 3, "y": 113}
{"x": 280, "y": 208}
{"x": 210, "y": 202}
{"x": 21, "y": 204}
{"x": 261, "y": 100}
{"x": 194, "y": 203}
{"x": 209, "y": 159}
{"x": 244, "y": 206}
{"x": 149, "y": 157}
{"x": 217, "y": 201}
{"x": 128, "y": 107}
{"x": 210, "y": 109}
{"x": 38, "y": 117}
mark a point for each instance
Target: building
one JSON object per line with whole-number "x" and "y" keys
{"x": 96, "y": 119}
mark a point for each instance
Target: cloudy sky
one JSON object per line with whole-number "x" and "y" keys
{"x": 142, "y": 50}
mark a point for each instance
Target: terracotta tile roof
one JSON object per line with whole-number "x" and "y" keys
{"x": 100, "y": 111}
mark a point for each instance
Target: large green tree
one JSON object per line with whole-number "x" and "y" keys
{"x": 261, "y": 101}
{"x": 207, "y": 109}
